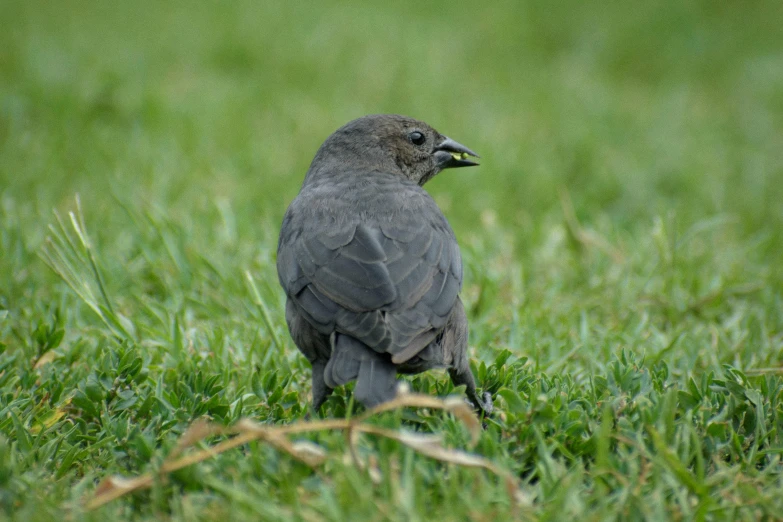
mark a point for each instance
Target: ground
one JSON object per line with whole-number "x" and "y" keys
{"x": 622, "y": 241}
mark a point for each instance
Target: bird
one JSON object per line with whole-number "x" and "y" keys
{"x": 370, "y": 266}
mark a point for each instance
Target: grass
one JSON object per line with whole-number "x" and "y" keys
{"x": 622, "y": 240}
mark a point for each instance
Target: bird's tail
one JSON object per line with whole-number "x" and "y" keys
{"x": 375, "y": 374}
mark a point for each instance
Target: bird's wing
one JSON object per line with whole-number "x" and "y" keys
{"x": 427, "y": 275}
{"x": 391, "y": 285}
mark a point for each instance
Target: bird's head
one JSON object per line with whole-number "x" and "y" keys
{"x": 393, "y": 143}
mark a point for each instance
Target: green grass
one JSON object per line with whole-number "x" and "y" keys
{"x": 623, "y": 246}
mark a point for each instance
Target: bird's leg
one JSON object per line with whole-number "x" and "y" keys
{"x": 461, "y": 376}
{"x": 320, "y": 390}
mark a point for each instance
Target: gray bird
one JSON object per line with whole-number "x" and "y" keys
{"x": 370, "y": 265}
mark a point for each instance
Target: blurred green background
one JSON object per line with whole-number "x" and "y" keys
{"x": 637, "y": 109}
{"x": 623, "y": 244}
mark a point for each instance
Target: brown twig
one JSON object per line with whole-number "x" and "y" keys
{"x": 246, "y": 431}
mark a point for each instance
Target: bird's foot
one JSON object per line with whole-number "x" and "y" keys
{"x": 482, "y": 402}
{"x": 486, "y": 405}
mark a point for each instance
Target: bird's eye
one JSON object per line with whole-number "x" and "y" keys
{"x": 417, "y": 138}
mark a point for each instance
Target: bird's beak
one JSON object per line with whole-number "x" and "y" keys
{"x": 450, "y": 154}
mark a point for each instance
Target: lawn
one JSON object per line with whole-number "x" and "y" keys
{"x": 622, "y": 242}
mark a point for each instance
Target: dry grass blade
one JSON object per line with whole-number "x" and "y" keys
{"x": 460, "y": 409}
{"x": 410, "y": 400}
{"x": 112, "y": 488}
{"x": 198, "y": 431}
{"x": 431, "y": 446}
{"x": 307, "y": 452}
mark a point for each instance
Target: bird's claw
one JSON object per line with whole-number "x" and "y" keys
{"x": 483, "y": 404}
{"x": 486, "y": 405}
